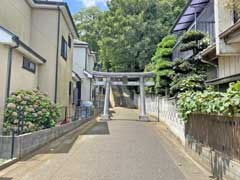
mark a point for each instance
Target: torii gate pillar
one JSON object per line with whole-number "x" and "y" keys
{"x": 105, "y": 115}
{"x": 143, "y": 116}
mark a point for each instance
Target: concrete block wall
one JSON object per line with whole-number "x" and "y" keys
{"x": 221, "y": 165}
{"x": 27, "y": 143}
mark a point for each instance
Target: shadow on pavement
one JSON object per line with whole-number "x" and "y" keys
{"x": 100, "y": 128}
{"x": 65, "y": 143}
{"x": 5, "y": 178}
{"x": 121, "y": 119}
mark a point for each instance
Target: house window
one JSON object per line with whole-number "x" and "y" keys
{"x": 69, "y": 41}
{"x": 64, "y": 49}
{"x": 29, "y": 65}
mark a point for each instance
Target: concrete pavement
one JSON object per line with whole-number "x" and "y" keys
{"x": 121, "y": 149}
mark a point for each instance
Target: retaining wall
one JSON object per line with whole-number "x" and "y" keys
{"x": 165, "y": 109}
{"x": 26, "y": 143}
{"x": 219, "y": 163}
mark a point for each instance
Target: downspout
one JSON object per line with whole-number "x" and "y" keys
{"x": 86, "y": 58}
{"x": 57, "y": 56}
{"x": 90, "y": 89}
{"x": 10, "y": 52}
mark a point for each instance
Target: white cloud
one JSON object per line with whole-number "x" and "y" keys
{"x": 90, "y": 3}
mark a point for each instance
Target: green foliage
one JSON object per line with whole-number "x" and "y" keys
{"x": 192, "y": 35}
{"x": 195, "y": 41}
{"x": 189, "y": 46}
{"x": 191, "y": 82}
{"x": 126, "y": 35}
{"x": 189, "y": 73}
{"x": 33, "y": 107}
{"x": 233, "y": 4}
{"x": 87, "y": 23}
{"x": 210, "y": 102}
{"x": 162, "y": 65}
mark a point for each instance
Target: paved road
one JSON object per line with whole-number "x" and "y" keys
{"x": 122, "y": 149}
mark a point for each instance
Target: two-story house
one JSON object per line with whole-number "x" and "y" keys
{"x": 227, "y": 48}
{"x": 83, "y": 64}
{"x": 36, "y": 47}
{"x": 222, "y": 25}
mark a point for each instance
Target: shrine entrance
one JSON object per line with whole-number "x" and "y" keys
{"x": 108, "y": 79}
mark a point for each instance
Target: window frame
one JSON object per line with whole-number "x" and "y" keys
{"x": 26, "y": 64}
{"x": 64, "y": 48}
{"x": 69, "y": 41}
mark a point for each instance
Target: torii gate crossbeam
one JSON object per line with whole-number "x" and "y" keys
{"x": 108, "y": 75}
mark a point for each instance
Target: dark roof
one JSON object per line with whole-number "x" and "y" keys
{"x": 58, "y": 3}
{"x": 187, "y": 17}
{"x": 22, "y": 44}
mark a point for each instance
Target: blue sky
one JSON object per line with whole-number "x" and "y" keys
{"x": 76, "y": 5}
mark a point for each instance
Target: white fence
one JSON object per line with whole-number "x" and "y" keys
{"x": 165, "y": 109}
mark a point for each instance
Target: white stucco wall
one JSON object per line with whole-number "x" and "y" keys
{"x": 167, "y": 113}
{"x": 79, "y": 55}
{"x": 79, "y": 58}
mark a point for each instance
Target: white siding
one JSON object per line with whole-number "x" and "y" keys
{"x": 229, "y": 66}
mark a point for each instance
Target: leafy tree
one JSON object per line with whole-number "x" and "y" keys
{"x": 88, "y": 27}
{"x": 233, "y": 4}
{"x": 126, "y": 35}
{"x": 162, "y": 65}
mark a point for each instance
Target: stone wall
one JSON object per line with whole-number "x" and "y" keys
{"x": 27, "y": 143}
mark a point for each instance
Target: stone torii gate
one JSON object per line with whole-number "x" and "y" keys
{"x": 130, "y": 75}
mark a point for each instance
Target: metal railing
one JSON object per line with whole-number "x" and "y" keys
{"x": 74, "y": 113}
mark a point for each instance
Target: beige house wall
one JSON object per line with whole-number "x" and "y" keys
{"x": 3, "y": 80}
{"x": 15, "y": 15}
{"x": 20, "y": 77}
{"x": 64, "y": 67}
{"x": 223, "y": 20}
{"x": 44, "y": 40}
{"x": 228, "y": 63}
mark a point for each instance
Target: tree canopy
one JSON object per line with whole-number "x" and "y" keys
{"x": 126, "y": 36}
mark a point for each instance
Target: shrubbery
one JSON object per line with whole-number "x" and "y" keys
{"x": 210, "y": 102}
{"x": 33, "y": 107}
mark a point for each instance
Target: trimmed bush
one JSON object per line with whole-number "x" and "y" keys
{"x": 31, "y": 107}
{"x": 192, "y": 36}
